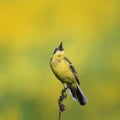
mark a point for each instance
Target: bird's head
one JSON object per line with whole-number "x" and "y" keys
{"x": 59, "y": 52}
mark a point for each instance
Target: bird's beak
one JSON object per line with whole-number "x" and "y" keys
{"x": 60, "y": 47}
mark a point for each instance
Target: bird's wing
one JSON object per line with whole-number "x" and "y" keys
{"x": 73, "y": 70}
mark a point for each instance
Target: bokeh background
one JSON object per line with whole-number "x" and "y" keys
{"x": 29, "y": 32}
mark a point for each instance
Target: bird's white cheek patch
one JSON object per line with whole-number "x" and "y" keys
{"x": 59, "y": 52}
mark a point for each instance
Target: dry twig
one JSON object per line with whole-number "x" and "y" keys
{"x": 60, "y": 102}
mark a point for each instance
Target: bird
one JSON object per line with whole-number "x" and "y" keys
{"x": 65, "y": 72}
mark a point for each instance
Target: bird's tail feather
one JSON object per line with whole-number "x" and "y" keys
{"x": 79, "y": 95}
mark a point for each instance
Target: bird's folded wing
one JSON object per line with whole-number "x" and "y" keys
{"x": 73, "y": 70}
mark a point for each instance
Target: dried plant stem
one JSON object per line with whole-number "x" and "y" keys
{"x": 59, "y": 117}
{"x": 60, "y": 102}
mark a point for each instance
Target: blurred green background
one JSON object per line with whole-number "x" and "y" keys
{"x": 29, "y": 32}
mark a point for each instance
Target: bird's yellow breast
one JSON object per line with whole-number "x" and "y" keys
{"x": 62, "y": 71}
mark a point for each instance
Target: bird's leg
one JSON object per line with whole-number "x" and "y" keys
{"x": 63, "y": 92}
{"x": 64, "y": 85}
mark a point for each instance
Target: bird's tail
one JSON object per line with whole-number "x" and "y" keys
{"x": 78, "y": 94}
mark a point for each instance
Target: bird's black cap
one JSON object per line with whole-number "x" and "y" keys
{"x": 60, "y": 48}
